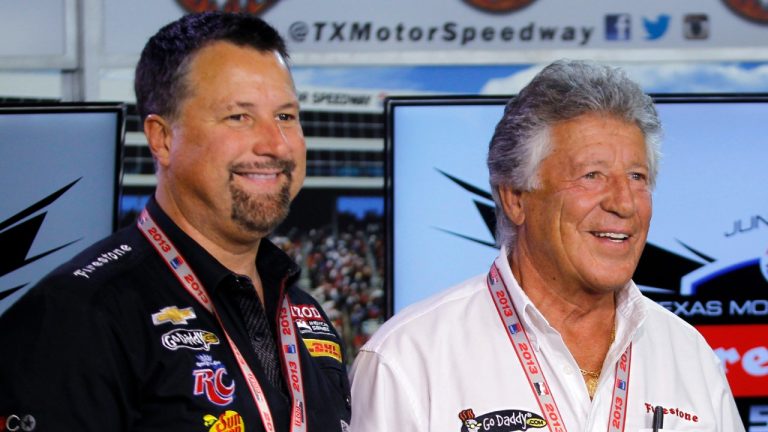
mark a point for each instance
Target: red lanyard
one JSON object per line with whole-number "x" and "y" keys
{"x": 290, "y": 351}
{"x": 533, "y": 371}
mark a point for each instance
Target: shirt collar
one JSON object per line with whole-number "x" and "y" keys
{"x": 271, "y": 262}
{"x": 630, "y": 306}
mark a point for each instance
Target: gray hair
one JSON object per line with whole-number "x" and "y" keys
{"x": 561, "y": 91}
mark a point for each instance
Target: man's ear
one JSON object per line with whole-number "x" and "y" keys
{"x": 512, "y": 204}
{"x": 158, "y": 132}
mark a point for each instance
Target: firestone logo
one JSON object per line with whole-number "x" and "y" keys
{"x": 254, "y": 7}
{"x": 499, "y": 6}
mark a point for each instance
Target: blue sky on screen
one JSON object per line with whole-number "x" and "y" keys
{"x": 732, "y": 77}
{"x": 360, "y": 205}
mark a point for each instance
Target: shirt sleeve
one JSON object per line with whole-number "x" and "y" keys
{"x": 63, "y": 369}
{"x": 381, "y": 399}
{"x": 723, "y": 401}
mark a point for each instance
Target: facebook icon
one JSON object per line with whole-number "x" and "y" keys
{"x": 617, "y": 27}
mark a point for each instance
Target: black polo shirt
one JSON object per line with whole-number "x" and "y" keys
{"x": 111, "y": 341}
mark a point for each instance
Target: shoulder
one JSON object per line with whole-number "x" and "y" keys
{"x": 445, "y": 310}
{"x": 661, "y": 326}
{"x": 82, "y": 282}
{"x": 102, "y": 260}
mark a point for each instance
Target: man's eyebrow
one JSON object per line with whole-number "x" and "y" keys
{"x": 289, "y": 105}
{"x": 241, "y": 104}
{"x": 251, "y": 105}
{"x": 591, "y": 162}
{"x": 601, "y": 163}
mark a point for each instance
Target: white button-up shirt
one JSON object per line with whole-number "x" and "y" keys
{"x": 447, "y": 364}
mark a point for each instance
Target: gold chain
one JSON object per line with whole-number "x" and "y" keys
{"x": 591, "y": 377}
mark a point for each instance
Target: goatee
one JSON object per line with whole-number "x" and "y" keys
{"x": 262, "y": 213}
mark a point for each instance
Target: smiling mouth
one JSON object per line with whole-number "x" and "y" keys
{"x": 259, "y": 175}
{"x": 264, "y": 171}
{"x": 612, "y": 236}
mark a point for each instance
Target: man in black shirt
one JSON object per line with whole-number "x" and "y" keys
{"x": 191, "y": 319}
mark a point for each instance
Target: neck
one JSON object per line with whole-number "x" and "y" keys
{"x": 236, "y": 254}
{"x": 584, "y": 319}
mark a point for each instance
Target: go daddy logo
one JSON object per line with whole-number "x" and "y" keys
{"x": 500, "y": 421}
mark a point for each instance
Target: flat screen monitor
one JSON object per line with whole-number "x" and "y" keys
{"x": 706, "y": 259}
{"x": 60, "y": 184}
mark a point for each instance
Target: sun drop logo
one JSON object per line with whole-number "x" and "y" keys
{"x": 229, "y": 421}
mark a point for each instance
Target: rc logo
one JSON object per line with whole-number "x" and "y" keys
{"x": 209, "y": 380}
{"x": 655, "y": 29}
{"x": 617, "y": 27}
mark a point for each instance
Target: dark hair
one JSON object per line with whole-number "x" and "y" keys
{"x": 561, "y": 91}
{"x": 160, "y": 83}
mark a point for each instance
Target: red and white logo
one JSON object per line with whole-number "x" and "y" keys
{"x": 306, "y": 312}
{"x": 249, "y": 6}
{"x": 499, "y": 6}
{"x": 744, "y": 354}
{"x": 209, "y": 381}
{"x": 753, "y": 10}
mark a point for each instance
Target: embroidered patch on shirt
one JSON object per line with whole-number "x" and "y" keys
{"x": 228, "y": 421}
{"x": 210, "y": 380}
{"x": 314, "y": 327}
{"x": 500, "y": 421}
{"x": 674, "y": 412}
{"x": 173, "y": 314}
{"x": 306, "y": 312}
{"x": 323, "y": 348}
{"x": 194, "y": 339}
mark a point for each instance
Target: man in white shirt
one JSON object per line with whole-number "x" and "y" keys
{"x": 555, "y": 336}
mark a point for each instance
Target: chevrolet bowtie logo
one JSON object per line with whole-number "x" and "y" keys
{"x": 174, "y": 315}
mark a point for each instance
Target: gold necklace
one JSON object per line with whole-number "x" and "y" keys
{"x": 591, "y": 378}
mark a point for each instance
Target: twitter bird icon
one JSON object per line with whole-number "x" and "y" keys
{"x": 655, "y": 29}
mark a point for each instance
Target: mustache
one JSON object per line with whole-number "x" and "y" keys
{"x": 285, "y": 166}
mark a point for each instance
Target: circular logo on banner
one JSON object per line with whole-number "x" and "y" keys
{"x": 753, "y": 10}
{"x": 499, "y": 6}
{"x": 248, "y": 6}
{"x": 764, "y": 264}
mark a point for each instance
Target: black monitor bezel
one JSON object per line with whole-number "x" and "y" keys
{"x": 119, "y": 109}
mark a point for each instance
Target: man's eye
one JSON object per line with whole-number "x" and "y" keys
{"x": 638, "y": 176}
{"x": 286, "y": 117}
{"x": 237, "y": 117}
{"x": 591, "y": 175}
